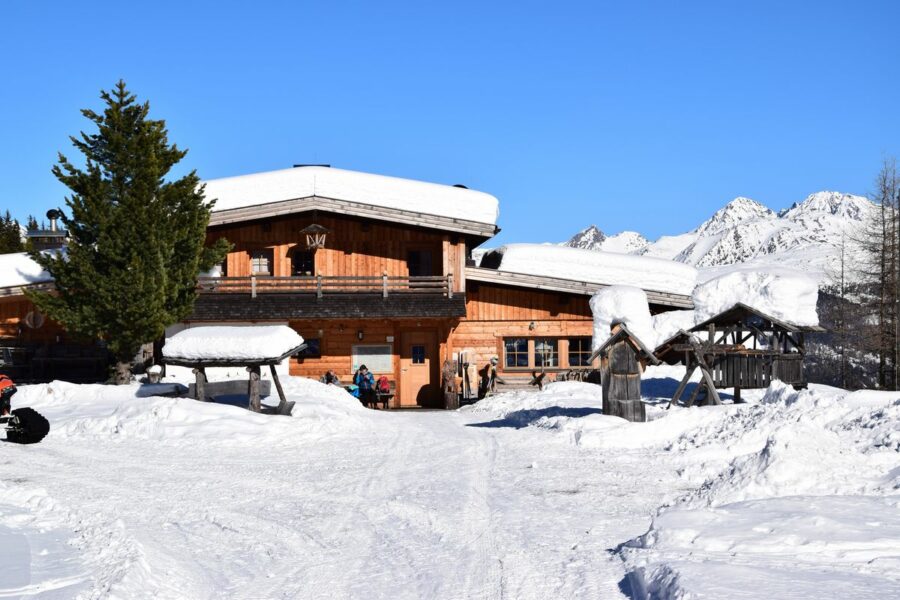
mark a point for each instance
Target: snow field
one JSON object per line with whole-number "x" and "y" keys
{"x": 521, "y": 495}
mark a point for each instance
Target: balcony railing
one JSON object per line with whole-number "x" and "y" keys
{"x": 322, "y": 285}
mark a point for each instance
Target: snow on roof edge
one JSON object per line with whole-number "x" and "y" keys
{"x": 255, "y": 189}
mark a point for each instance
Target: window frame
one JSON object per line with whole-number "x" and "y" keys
{"x": 259, "y": 253}
{"x": 570, "y": 352}
{"x": 554, "y": 341}
{"x": 527, "y": 352}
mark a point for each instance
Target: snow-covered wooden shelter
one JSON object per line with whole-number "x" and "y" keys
{"x": 743, "y": 348}
{"x": 252, "y": 347}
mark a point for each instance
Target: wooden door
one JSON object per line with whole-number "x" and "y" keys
{"x": 419, "y": 379}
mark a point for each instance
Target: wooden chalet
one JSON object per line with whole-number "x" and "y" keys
{"x": 378, "y": 271}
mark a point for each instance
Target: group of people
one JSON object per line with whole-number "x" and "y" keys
{"x": 364, "y": 385}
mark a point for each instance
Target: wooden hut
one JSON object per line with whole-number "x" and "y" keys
{"x": 623, "y": 358}
{"x": 743, "y": 349}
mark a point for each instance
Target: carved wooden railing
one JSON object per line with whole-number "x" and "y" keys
{"x": 322, "y": 285}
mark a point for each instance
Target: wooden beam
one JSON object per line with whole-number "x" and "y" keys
{"x": 284, "y": 407}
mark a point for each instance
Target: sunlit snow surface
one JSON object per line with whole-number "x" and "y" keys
{"x": 524, "y": 495}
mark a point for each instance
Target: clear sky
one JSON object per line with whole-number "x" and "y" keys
{"x": 631, "y": 115}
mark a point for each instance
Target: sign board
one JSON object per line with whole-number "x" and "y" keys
{"x": 379, "y": 358}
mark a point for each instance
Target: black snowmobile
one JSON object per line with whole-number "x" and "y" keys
{"x": 23, "y": 425}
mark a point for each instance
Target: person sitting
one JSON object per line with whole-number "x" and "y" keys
{"x": 331, "y": 378}
{"x": 365, "y": 381}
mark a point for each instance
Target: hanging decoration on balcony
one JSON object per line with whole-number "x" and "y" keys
{"x": 315, "y": 236}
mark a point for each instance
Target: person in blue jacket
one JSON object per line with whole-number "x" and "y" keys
{"x": 365, "y": 381}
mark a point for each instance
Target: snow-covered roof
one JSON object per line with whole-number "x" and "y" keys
{"x": 786, "y": 294}
{"x": 19, "y": 269}
{"x": 592, "y": 266}
{"x": 363, "y": 188}
{"x": 232, "y": 343}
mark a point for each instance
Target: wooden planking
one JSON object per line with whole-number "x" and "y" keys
{"x": 12, "y": 320}
{"x": 493, "y": 302}
{"x": 352, "y": 247}
{"x": 536, "y": 282}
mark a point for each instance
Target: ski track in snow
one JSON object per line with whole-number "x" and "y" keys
{"x": 424, "y": 505}
{"x": 523, "y": 496}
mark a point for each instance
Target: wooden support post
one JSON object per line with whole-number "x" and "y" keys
{"x": 694, "y": 394}
{"x": 284, "y": 407}
{"x": 384, "y": 287}
{"x": 200, "y": 386}
{"x": 253, "y": 389}
{"x": 710, "y": 386}
{"x": 737, "y": 395}
{"x": 682, "y": 385}
{"x": 450, "y": 285}
{"x": 253, "y": 286}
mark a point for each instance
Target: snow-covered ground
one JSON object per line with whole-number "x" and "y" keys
{"x": 524, "y": 495}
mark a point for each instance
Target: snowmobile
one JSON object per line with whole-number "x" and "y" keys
{"x": 25, "y": 426}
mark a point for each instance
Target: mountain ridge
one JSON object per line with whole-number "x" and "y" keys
{"x": 806, "y": 235}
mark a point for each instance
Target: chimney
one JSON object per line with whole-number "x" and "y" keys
{"x": 53, "y": 215}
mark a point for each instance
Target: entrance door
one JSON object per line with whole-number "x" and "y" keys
{"x": 419, "y": 378}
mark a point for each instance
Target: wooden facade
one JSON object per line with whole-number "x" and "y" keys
{"x": 389, "y": 288}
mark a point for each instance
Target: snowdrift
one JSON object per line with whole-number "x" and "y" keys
{"x": 121, "y": 412}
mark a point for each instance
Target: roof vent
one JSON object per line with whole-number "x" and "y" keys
{"x": 311, "y": 165}
{"x": 459, "y": 185}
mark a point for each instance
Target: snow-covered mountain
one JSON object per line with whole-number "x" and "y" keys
{"x": 627, "y": 242}
{"x": 806, "y": 236}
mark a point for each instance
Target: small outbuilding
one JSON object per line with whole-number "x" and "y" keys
{"x": 252, "y": 347}
{"x": 740, "y": 348}
{"x": 623, "y": 358}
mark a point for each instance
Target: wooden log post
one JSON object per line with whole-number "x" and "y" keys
{"x": 450, "y": 386}
{"x": 253, "y": 389}
{"x": 284, "y": 407}
{"x": 200, "y": 386}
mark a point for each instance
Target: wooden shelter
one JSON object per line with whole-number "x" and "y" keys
{"x": 623, "y": 358}
{"x": 200, "y": 361}
{"x": 743, "y": 349}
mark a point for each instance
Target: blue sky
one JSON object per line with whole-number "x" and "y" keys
{"x": 631, "y": 115}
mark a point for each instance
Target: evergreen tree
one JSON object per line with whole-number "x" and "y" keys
{"x": 136, "y": 240}
{"x": 10, "y": 235}
{"x": 32, "y": 223}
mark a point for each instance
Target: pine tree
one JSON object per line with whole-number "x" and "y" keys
{"x": 32, "y": 223}
{"x": 136, "y": 240}
{"x": 10, "y": 235}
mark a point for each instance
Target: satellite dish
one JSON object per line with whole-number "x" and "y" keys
{"x": 34, "y": 319}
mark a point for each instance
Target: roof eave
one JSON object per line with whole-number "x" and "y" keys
{"x": 347, "y": 207}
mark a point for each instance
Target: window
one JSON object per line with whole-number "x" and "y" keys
{"x": 579, "y": 351}
{"x": 313, "y": 349}
{"x": 377, "y": 358}
{"x": 516, "y": 351}
{"x": 546, "y": 352}
{"x": 420, "y": 263}
{"x": 418, "y": 355}
{"x": 261, "y": 262}
{"x": 303, "y": 263}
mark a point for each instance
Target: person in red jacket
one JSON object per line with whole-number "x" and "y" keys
{"x": 7, "y": 389}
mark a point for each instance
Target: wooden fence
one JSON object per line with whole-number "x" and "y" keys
{"x": 321, "y": 285}
{"x": 756, "y": 370}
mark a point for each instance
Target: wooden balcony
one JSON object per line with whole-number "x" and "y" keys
{"x": 322, "y": 285}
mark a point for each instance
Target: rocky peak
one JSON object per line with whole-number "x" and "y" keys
{"x": 590, "y": 239}
{"x": 737, "y": 211}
